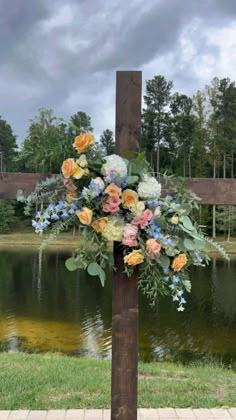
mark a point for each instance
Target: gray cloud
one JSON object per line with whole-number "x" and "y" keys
{"x": 63, "y": 54}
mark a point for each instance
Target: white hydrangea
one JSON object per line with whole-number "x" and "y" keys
{"x": 149, "y": 188}
{"x": 116, "y": 163}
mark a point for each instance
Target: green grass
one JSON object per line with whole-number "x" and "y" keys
{"x": 51, "y": 381}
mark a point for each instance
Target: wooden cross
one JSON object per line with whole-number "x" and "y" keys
{"x": 125, "y": 291}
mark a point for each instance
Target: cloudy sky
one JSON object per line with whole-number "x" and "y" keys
{"x": 63, "y": 54}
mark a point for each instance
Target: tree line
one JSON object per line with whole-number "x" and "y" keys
{"x": 190, "y": 136}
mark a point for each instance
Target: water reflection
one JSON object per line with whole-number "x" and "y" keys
{"x": 43, "y": 307}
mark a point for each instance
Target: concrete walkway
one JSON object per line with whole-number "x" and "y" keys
{"x": 143, "y": 414}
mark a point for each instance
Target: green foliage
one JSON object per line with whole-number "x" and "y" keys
{"x": 7, "y": 218}
{"x": 107, "y": 142}
{"x": 8, "y": 147}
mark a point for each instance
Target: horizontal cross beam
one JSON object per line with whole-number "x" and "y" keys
{"x": 211, "y": 190}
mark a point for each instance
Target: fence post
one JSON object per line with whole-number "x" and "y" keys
{"x": 125, "y": 290}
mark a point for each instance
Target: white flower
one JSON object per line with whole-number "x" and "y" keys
{"x": 174, "y": 220}
{"x": 157, "y": 211}
{"x": 82, "y": 161}
{"x": 137, "y": 208}
{"x": 149, "y": 188}
{"x": 99, "y": 182}
{"x": 115, "y": 163}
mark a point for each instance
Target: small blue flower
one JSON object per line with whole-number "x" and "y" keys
{"x": 165, "y": 270}
{"x": 38, "y": 215}
{"x": 176, "y": 279}
{"x": 172, "y": 286}
{"x": 169, "y": 197}
{"x": 65, "y": 215}
{"x": 175, "y": 298}
{"x": 50, "y": 207}
{"x": 54, "y": 216}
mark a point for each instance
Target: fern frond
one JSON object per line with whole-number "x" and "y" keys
{"x": 218, "y": 247}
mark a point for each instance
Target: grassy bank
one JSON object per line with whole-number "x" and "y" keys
{"x": 29, "y": 237}
{"x": 50, "y": 381}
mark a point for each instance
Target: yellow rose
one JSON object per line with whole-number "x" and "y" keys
{"x": 179, "y": 262}
{"x": 68, "y": 167}
{"x": 129, "y": 198}
{"x": 83, "y": 142}
{"x": 78, "y": 173}
{"x": 82, "y": 161}
{"x": 100, "y": 224}
{"x": 85, "y": 215}
{"x": 113, "y": 191}
{"x": 134, "y": 258}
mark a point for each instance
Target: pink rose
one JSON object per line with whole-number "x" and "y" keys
{"x": 129, "y": 242}
{"x": 135, "y": 221}
{"x": 130, "y": 231}
{"x": 145, "y": 218}
{"x": 111, "y": 205}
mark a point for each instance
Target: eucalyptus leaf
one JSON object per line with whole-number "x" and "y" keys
{"x": 199, "y": 243}
{"x": 187, "y": 223}
{"x": 164, "y": 261}
{"x": 71, "y": 264}
{"x": 94, "y": 269}
{"x": 189, "y": 244}
{"x": 102, "y": 276}
{"x": 131, "y": 179}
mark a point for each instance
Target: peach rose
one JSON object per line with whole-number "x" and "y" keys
{"x": 71, "y": 196}
{"x": 100, "y": 224}
{"x": 129, "y": 198}
{"x": 179, "y": 262}
{"x": 113, "y": 191}
{"x": 153, "y": 247}
{"x": 68, "y": 167}
{"x": 85, "y": 215}
{"x": 83, "y": 142}
{"x": 134, "y": 258}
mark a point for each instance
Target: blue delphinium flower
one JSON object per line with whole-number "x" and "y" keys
{"x": 169, "y": 197}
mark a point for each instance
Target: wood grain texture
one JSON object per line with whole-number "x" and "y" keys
{"x": 10, "y": 183}
{"x": 124, "y": 289}
{"x": 212, "y": 191}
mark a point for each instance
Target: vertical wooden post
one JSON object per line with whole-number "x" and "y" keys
{"x": 125, "y": 290}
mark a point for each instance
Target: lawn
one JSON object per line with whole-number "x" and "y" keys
{"x": 55, "y": 381}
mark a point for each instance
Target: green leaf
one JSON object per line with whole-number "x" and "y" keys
{"x": 102, "y": 276}
{"x": 94, "y": 269}
{"x": 187, "y": 285}
{"x": 189, "y": 244}
{"x": 199, "y": 243}
{"x": 164, "y": 261}
{"x": 132, "y": 179}
{"x": 187, "y": 223}
{"x": 71, "y": 264}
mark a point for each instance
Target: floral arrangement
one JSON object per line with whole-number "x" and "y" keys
{"x": 114, "y": 199}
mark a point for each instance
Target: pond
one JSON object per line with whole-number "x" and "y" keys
{"x": 45, "y": 308}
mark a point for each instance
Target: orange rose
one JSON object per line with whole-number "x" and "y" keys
{"x": 100, "y": 224}
{"x": 129, "y": 198}
{"x": 70, "y": 197}
{"x": 153, "y": 247}
{"x": 179, "y": 262}
{"x": 68, "y": 167}
{"x": 113, "y": 191}
{"x": 83, "y": 142}
{"x": 134, "y": 258}
{"x": 85, "y": 215}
